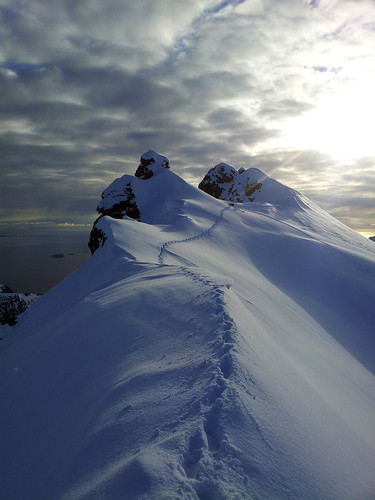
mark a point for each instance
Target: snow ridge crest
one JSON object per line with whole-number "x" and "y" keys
{"x": 154, "y": 193}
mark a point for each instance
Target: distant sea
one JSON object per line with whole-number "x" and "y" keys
{"x": 35, "y": 257}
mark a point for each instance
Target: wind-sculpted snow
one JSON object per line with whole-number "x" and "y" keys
{"x": 209, "y": 350}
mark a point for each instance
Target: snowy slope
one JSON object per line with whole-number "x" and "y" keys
{"x": 208, "y": 352}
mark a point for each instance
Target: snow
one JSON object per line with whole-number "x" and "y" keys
{"x": 208, "y": 352}
{"x": 5, "y": 330}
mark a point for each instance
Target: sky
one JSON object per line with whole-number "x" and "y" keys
{"x": 87, "y": 86}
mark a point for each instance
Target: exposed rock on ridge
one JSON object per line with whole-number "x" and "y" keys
{"x": 226, "y": 183}
{"x": 150, "y": 162}
{"x": 125, "y": 205}
{"x": 13, "y": 304}
{"x": 119, "y": 199}
{"x": 127, "y": 195}
{"x": 97, "y": 238}
{"x": 217, "y": 178}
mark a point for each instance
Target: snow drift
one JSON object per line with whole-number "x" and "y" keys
{"x": 208, "y": 350}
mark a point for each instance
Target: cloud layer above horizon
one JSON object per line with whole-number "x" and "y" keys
{"x": 87, "y": 86}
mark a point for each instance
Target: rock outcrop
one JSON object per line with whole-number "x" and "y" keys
{"x": 226, "y": 183}
{"x": 97, "y": 238}
{"x": 150, "y": 163}
{"x": 119, "y": 199}
{"x": 127, "y": 196}
{"x": 242, "y": 186}
{"x": 13, "y": 304}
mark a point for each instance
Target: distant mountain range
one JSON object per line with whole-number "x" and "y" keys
{"x": 219, "y": 344}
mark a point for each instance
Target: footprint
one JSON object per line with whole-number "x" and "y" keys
{"x": 212, "y": 427}
{"x": 226, "y": 365}
{"x": 197, "y": 445}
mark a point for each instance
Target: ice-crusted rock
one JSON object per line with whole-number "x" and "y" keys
{"x": 97, "y": 238}
{"x": 119, "y": 199}
{"x": 150, "y": 163}
{"x": 218, "y": 181}
{"x": 13, "y": 304}
{"x": 226, "y": 183}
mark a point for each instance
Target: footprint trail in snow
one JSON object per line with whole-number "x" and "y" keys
{"x": 203, "y": 234}
{"x": 205, "y": 445}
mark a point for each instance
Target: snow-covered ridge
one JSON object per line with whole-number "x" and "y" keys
{"x": 153, "y": 193}
{"x": 208, "y": 350}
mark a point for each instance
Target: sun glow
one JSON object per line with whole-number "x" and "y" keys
{"x": 286, "y": 162}
{"x": 340, "y": 125}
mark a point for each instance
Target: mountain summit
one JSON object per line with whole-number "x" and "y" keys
{"x": 209, "y": 349}
{"x": 146, "y": 196}
{"x": 226, "y": 183}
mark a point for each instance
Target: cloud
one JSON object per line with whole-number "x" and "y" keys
{"x": 88, "y": 86}
{"x": 71, "y": 224}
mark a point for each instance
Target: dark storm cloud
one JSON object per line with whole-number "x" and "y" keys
{"x": 87, "y": 86}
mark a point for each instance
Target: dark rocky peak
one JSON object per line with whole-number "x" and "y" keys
{"x": 243, "y": 186}
{"x": 372, "y": 238}
{"x": 120, "y": 200}
{"x": 150, "y": 163}
{"x": 226, "y": 183}
{"x": 217, "y": 180}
